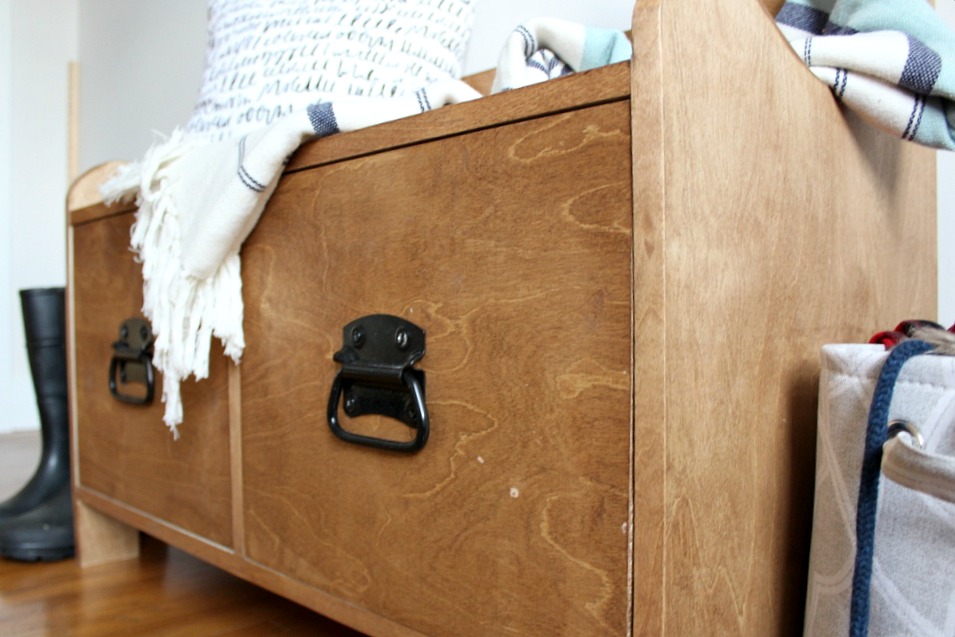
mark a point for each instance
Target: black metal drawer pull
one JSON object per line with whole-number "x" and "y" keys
{"x": 132, "y": 362}
{"x": 377, "y": 377}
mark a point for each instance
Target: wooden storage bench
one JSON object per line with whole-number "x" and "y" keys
{"x": 623, "y": 277}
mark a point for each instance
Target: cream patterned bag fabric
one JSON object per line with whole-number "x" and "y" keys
{"x": 883, "y": 554}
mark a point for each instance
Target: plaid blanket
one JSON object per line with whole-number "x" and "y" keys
{"x": 545, "y": 48}
{"x": 892, "y": 61}
{"x": 199, "y": 200}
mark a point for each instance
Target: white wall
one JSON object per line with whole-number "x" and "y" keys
{"x": 8, "y": 391}
{"x": 38, "y": 40}
{"x": 140, "y": 67}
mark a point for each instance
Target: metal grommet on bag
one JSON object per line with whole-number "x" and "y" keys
{"x": 897, "y": 427}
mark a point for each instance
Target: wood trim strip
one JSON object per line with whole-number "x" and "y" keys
{"x": 235, "y": 458}
{"x": 97, "y": 212}
{"x": 324, "y": 603}
{"x": 580, "y": 90}
{"x": 73, "y": 122}
{"x": 648, "y": 116}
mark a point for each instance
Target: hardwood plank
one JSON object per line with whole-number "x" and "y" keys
{"x": 64, "y": 599}
{"x": 164, "y": 592}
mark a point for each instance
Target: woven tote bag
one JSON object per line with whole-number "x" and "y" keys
{"x": 882, "y": 559}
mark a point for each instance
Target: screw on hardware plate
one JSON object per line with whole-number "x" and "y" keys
{"x": 401, "y": 338}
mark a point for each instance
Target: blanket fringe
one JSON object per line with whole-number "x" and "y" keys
{"x": 185, "y": 311}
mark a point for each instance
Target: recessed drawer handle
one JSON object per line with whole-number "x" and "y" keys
{"x": 377, "y": 377}
{"x": 132, "y": 362}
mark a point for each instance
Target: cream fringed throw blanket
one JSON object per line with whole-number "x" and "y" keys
{"x": 198, "y": 199}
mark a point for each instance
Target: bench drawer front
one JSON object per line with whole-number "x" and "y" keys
{"x": 511, "y": 248}
{"x": 125, "y": 451}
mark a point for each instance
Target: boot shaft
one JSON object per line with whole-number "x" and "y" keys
{"x": 44, "y": 323}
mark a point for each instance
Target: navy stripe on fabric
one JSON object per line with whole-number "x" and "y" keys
{"x": 802, "y": 17}
{"x": 322, "y": 117}
{"x": 915, "y": 118}
{"x": 423, "y": 103}
{"x": 832, "y": 28}
{"x": 248, "y": 181}
{"x": 922, "y": 67}
{"x": 534, "y": 64}
{"x": 243, "y": 174}
{"x": 839, "y": 83}
{"x": 530, "y": 44}
{"x": 877, "y": 432}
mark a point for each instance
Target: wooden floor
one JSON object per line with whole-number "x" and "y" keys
{"x": 163, "y": 593}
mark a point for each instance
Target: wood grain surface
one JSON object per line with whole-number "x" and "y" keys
{"x": 769, "y": 222}
{"x": 604, "y": 84}
{"x": 510, "y": 247}
{"x": 125, "y": 451}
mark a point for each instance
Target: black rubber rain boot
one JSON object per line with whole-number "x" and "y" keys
{"x": 44, "y": 534}
{"x": 44, "y": 322}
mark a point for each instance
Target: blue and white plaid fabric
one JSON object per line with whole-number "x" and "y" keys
{"x": 892, "y": 61}
{"x": 546, "y": 48}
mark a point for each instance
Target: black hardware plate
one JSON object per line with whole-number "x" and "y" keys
{"x": 377, "y": 377}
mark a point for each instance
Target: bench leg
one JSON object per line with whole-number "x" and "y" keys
{"x": 100, "y": 539}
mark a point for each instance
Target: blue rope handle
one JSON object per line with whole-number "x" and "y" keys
{"x": 875, "y": 436}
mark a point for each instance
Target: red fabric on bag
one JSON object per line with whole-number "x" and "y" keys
{"x": 903, "y": 331}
